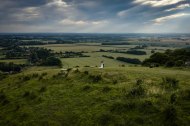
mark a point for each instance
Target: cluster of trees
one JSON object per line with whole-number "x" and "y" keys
{"x": 109, "y": 57}
{"x": 32, "y": 43}
{"x": 10, "y": 67}
{"x": 129, "y": 60}
{"x": 15, "y": 52}
{"x": 35, "y": 55}
{"x": 136, "y": 52}
{"x": 132, "y": 51}
{"x": 8, "y": 42}
{"x": 140, "y": 47}
{"x": 169, "y": 58}
{"x": 116, "y": 43}
{"x": 71, "y": 54}
{"x": 38, "y": 55}
{"x": 52, "y": 61}
{"x": 42, "y": 56}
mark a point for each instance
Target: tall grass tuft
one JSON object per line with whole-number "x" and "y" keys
{"x": 3, "y": 98}
{"x": 30, "y": 95}
{"x": 170, "y": 116}
{"x": 170, "y": 83}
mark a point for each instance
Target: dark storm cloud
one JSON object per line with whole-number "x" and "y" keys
{"x": 93, "y": 15}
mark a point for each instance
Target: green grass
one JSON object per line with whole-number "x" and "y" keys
{"x": 101, "y": 97}
{"x": 96, "y": 57}
{"x": 16, "y": 61}
{"x": 114, "y": 96}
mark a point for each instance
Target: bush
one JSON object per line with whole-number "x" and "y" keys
{"x": 10, "y": 67}
{"x": 137, "y": 91}
{"x": 170, "y": 63}
{"x": 43, "y": 89}
{"x": 77, "y": 71}
{"x": 170, "y": 116}
{"x": 136, "y": 52}
{"x": 3, "y": 98}
{"x": 86, "y": 72}
{"x": 129, "y": 60}
{"x": 170, "y": 82}
{"x": 2, "y": 76}
{"x": 106, "y": 89}
{"x": 53, "y": 61}
{"x": 169, "y": 58}
{"x": 44, "y": 73}
{"x": 139, "y": 82}
{"x": 95, "y": 78}
{"x": 185, "y": 94}
{"x": 173, "y": 98}
{"x": 114, "y": 81}
{"x": 26, "y": 78}
{"x": 105, "y": 119}
{"x": 30, "y": 95}
{"x": 119, "y": 107}
{"x": 109, "y": 57}
{"x": 35, "y": 75}
{"x": 86, "y": 88}
{"x": 179, "y": 63}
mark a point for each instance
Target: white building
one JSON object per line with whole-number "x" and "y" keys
{"x": 101, "y": 65}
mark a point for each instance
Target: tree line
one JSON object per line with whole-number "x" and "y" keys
{"x": 170, "y": 58}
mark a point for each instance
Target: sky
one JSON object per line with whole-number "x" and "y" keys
{"x": 95, "y": 16}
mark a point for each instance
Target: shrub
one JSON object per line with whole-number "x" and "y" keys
{"x": 2, "y": 76}
{"x": 26, "y": 94}
{"x": 179, "y": 63}
{"x": 129, "y": 60}
{"x": 105, "y": 119}
{"x": 109, "y": 57}
{"x": 139, "y": 82}
{"x": 69, "y": 69}
{"x": 10, "y": 67}
{"x": 173, "y": 98}
{"x": 119, "y": 107}
{"x": 44, "y": 73}
{"x": 170, "y": 82}
{"x": 137, "y": 91}
{"x": 3, "y": 98}
{"x": 53, "y": 61}
{"x": 106, "y": 89}
{"x": 114, "y": 81}
{"x": 86, "y": 72}
{"x": 77, "y": 71}
{"x": 26, "y": 78}
{"x": 34, "y": 75}
{"x": 43, "y": 89}
{"x": 95, "y": 78}
{"x": 30, "y": 95}
{"x": 86, "y": 88}
{"x": 170, "y": 116}
{"x": 170, "y": 64}
{"x": 185, "y": 94}
{"x": 136, "y": 52}
{"x": 17, "y": 107}
{"x": 169, "y": 58}
{"x": 40, "y": 78}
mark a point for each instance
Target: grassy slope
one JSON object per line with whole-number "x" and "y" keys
{"x": 79, "y": 100}
{"x": 16, "y": 61}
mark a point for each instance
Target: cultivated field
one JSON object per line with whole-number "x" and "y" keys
{"x": 96, "y": 57}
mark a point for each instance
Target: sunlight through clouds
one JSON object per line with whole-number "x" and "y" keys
{"x": 158, "y": 3}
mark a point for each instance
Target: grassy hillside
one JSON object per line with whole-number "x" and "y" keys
{"x": 112, "y": 96}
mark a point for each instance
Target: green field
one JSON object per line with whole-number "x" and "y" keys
{"x": 96, "y": 57}
{"x": 82, "y": 99}
{"x": 88, "y": 96}
{"x": 16, "y": 61}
